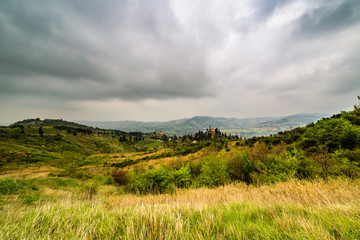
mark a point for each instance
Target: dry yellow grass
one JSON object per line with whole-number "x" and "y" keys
{"x": 30, "y": 172}
{"x": 333, "y": 192}
{"x": 177, "y": 160}
{"x": 289, "y": 210}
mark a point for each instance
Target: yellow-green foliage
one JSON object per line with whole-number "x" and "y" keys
{"x": 290, "y": 210}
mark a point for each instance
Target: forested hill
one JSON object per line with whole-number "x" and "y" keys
{"x": 48, "y": 122}
{"x": 245, "y": 126}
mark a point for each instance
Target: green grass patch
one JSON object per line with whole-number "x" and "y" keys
{"x": 30, "y": 198}
{"x": 55, "y": 182}
{"x": 89, "y": 220}
{"x": 10, "y": 186}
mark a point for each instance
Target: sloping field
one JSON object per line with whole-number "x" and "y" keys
{"x": 292, "y": 210}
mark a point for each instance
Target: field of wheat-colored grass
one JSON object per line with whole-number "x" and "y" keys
{"x": 289, "y": 210}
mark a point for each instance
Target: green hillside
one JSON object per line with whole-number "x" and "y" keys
{"x": 303, "y": 150}
{"x": 61, "y": 144}
{"x": 57, "y": 179}
{"x": 248, "y": 127}
{"x": 48, "y": 122}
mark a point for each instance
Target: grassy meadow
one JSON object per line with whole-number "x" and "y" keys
{"x": 58, "y": 208}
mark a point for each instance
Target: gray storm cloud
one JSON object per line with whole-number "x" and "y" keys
{"x": 127, "y": 50}
{"x": 232, "y": 52}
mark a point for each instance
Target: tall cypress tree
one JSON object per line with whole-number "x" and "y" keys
{"x": 41, "y": 131}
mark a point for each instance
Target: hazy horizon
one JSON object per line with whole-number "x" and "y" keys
{"x": 134, "y": 120}
{"x": 171, "y": 59}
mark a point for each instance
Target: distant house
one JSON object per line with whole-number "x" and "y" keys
{"x": 158, "y": 134}
{"x": 211, "y": 131}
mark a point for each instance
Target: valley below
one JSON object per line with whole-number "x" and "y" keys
{"x": 245, "y": 127}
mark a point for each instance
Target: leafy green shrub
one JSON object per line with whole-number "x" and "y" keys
{"x": 239, "y": 167}
{"x": 326, "y": 163}
{"x": 103, "y": 147}
{"x": 181, "y": 178}
{"x": 15, "y": 132}
{"x": 307, "y": 143}
{"x": 311, "y": 150}
{"x": 158, "y": 180}
{"x": 282, "y": 168}
{"x": 345, "y": 164}
{"x": 126, "y": 162}
{"x": 82, "y": 174}
{"x": 214, "y": 171}
{"x": 195, "y": 167}
{"x": 103, "y": 180}
{"x": 150, "y": 181}
{"x": 11, "y": 186}
{"x": 348, "y": 168}
{"x": 35, "y": 157}
{"x": 307, "y": 168}
{"x": 350, "y": 137}
{"x": 354, "y": 155}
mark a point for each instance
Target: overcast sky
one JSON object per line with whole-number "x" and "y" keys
{"x": 160, "y": 60}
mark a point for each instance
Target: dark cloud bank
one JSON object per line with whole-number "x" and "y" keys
{"x": 116, "y": 49}
{"x": 139, "y": 50}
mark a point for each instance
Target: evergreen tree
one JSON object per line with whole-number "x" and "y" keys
{"x": 41, "y": 131}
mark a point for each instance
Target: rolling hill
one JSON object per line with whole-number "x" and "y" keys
{"x": 48, "y": 122}
{"x": 246, "y": 127}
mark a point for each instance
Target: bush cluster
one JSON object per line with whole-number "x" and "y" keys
{"x": 159, "y": 180}
{"x": 256, "y": 165}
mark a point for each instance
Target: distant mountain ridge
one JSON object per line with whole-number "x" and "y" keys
{"x": 242, "y": 126}
{"x": 293, "y": 121}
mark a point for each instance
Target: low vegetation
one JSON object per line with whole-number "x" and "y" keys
{"x": 62, "y": 180}
{"x": 64, "y": 209}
